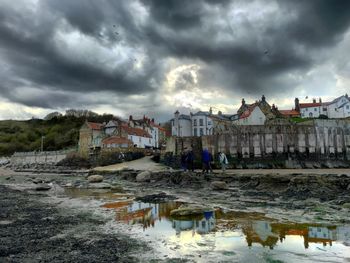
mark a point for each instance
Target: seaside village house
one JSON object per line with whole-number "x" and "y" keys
{"x": 204, "y": 122}
{"x": 144, "y": 133}
{"x": 336, "y": 109}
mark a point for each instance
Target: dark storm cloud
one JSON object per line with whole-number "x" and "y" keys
{"x": 233, "y": 50}
{"x": 273, "y": 47}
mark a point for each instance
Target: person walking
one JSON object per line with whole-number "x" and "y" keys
{"x": 223, "y": 161}
{"x": 190, "y": 160}
{"x": 206, "y": 160}
{"x": 184, "y": 155}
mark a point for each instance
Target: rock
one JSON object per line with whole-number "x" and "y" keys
{"x": 95, "y": 178}
{"x": 144, "y": 176}
{"x": 38, "y": 180}
{"x": 42, "y": 187}
{"x": 218, "y": 185}
{"x": 156, "y": 198}
{"x": 346, "y": 205}
{"x": 99, "y": 186}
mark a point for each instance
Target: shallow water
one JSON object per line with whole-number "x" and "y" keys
{"x": 219, "y": 236}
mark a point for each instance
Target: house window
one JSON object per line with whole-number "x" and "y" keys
{"x": 315, "y": 109}
{"x": 306, "y": 109}
{"x": 347, "y": 107}
{"x": 201, "y": 131}
{"x": 209, "y": 123}
{"x": 310, "y": 114}
{"x": 200, "y": 122}
{"x": 195, "y": 132}
{"x": 195, "y": 122}
{"x": 324, "y": 109}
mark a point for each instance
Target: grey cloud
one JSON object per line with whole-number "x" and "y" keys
{"x": 238, "y": 55}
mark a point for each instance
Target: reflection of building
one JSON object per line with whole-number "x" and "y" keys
{"x": 201, "y": 226}
{"x": 268, "y": 234}
{"x": 146, "y": 214}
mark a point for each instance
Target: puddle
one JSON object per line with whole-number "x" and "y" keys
{"x": 229, "y": 236}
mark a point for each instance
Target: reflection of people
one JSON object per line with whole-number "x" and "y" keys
{"x": 223, "y": 161}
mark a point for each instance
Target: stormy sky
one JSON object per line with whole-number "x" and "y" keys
{"x": 154, "y": 56}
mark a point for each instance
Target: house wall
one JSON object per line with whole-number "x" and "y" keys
{"x": 141, "y": 142}
{"x": 205, "y": 129}
{"x": 181, "y": 128}
{"x": 312, "y": 112}
{"x": 257, "y": 117}
{"x": 335, "y": 112}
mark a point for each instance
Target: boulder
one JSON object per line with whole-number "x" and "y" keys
{"x": 42, "y": 187}
{"x": 99, "y": 186}
{"x": 144, "y": 176}
{"x": 95, "y": 178}
{"x": 219, "y": 185}
{"x": 38, "y": 180}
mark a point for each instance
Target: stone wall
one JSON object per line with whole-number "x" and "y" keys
{"x": 314, "y": 140}
{"x": 28, "y": 158}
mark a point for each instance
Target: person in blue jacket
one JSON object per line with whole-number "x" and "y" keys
{"x": 206, "y": 159}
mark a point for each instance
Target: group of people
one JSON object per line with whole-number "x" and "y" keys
{"x": 187, "y": 160}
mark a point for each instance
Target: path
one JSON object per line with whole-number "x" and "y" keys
{"x": 144, "y": 163}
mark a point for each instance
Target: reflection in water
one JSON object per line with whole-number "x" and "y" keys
{"x": 255, "y": 227}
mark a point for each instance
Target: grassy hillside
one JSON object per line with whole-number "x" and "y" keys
{"x": 60, "y": 133}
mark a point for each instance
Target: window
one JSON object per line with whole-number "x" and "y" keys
{"x": 324, "y": 109}
{"x": 195, "y": 132}
{"x": 201, "y": 131}
{"x": 347, "y": 107}
{"x": 310, "y": 115}
{"x": 195, "y": 122}
{"x": 209, "y": 123}
{"x": 306, "y": 109}
{"x": 315, "y": 109}
{"x": 200, "y": 122}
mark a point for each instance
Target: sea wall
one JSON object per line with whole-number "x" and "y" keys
{"x": 30, "y": 158}
{"x": 312, "y": 140}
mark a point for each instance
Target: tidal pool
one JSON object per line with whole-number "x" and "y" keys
{"x": 229, "y": 236}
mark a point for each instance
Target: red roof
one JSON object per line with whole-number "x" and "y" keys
{"x": 116, "y": 140}
{"x": 247, "y": 112}
{"x": 95, "y": 125}
{"x": 309, "y": 105}
{"x": 290, "y": 112}
{"x": 136, "y": 131}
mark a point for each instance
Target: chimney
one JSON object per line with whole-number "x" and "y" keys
{"x": 219, "y": 112}
{"x": 314, "y": 100}
{"x": 243, "y": 101}
{"x": 263, "y": 99}
{"x": 273, "y": 107}
{"x": 210, "y": 111}
{"x": 130, "y": 118}
{"x": 297, "y": 105}
{"x": 346, "y": 96}
{"x": 320, "y": 100}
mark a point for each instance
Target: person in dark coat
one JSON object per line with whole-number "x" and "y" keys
{"x": 190, "y": 160}
{"x": 184, "y": 159}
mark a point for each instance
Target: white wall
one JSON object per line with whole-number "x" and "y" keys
{"x": 182, "y": 128}
{"x": 140, "y": 141}
{"x": 257, "y": 117}
{"x": 206, "y": 127}
{"x": 312, "y": 112}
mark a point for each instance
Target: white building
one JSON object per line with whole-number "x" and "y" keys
{"x": 202, "y": 124}
{"x": 339, "y": 108}
{"x": 313, "y": 110}
{"x": 252, "y": 116}
{"x": 140, "y": 138}
{"x": 181, "y": 125}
